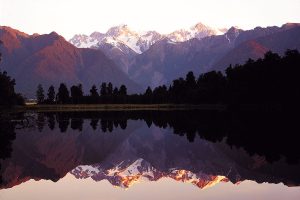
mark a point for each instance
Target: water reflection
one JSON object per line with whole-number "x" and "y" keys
{"x": 196, "y": 147}
{"x": 250, "y": 130}
{"x": 7, "y": 135}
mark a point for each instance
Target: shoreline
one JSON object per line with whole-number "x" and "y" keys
{"x": 138, "y": 107}
{"x": 115, "y": 107}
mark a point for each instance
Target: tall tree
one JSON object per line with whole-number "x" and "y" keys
{"x": 94, "y": 91}
{"x": 123, "y": 90}
{"x": 51, "y": 94}
{"x": 63, "y": 95}
{"x": 103, "y": 90}
{"x": 147, "y": 97}
{"x": 40, "y": 96}
{"x": 148, "y": 91}
{"x": 116, "y": 91}
{"x": 109, "y": 88}
{"x": 76, "y": 93}
{"x": 190, "y": 80}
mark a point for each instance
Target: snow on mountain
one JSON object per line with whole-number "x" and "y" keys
{"x": 147, "y": 39}
{"x": 140, "y": 41}
{"x": 118, "y": 36}
{"x": 232, "y": 33}
{"x": 84, "y": 41}
{"x": 126, "y": 173}
{"x": 123, "y": 34}
{"x": 198, "y": 31}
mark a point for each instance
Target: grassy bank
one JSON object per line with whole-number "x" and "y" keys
{"x": 115, "y": 107}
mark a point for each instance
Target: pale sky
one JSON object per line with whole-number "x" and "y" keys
{"x": 69, "y": 17}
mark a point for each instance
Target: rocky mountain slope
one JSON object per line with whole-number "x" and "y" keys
{"x": 167, "y": 60}
{"x": 122, "y": 35}
{"x": 122, "y": 44}
{"x": 50, "y": 59}
{"x": 135, "y": 59}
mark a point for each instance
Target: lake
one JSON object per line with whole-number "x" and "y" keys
{"x": 183, "y": 154}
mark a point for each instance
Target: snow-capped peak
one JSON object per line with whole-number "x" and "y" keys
{"x": 84, "y": 41}
{"x": 126, "y": 173}
{"x": 198, "y": 31}
{"x": 232, "y": 33}
{"x": 123, "y": 29}
{"x": 140, "y": 41}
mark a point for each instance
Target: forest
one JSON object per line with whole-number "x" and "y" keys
{"x": 272, "y": 80}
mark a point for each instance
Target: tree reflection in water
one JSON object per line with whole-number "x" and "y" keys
{"x": 271, "y": 134}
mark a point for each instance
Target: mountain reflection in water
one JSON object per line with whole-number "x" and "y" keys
{"x": 202, "y": 148}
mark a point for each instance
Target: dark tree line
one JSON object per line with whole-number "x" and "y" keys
{"x": 7, "y": 135}
{"x": 271, "y": 80}
{"x": 106, "y": 94}
{"x": 8, "y": 96}
{"x": 104, "y": 121}
{"x": 268, "y": 133}
{"x": 9, "y": 122}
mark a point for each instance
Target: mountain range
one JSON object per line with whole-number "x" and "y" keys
{"x": 166, "y": 61}
{"x": 125, "y": 174}
{"x": 136, "y": 59}
{"x": 50, "y": 59}
{"x": 123, "y": 36}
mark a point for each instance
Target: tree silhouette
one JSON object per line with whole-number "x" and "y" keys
{"x": 211, "y": 87}
{"x": 7, "y": 135}
{"x": 103, "y": 89}
{"x": 116, "y": 91}
{"x": 148, "y": 95}
{"x": 51, "y": 94}
{"x": 8, "y": 97}
{"x": 40, "y": 96}
{"x": 123, "y": 124}
{"x": 94, "y": 123}
{"x": 93, "y": 91}
{"x": 271, "y": 80}
{"x": 123, "y": 90}
{"x": 51, "y": 121}
{"x": 190, "y": 80}
{"x": 63, "y": 121}
{"x": 63, "y": 94}
{"x": 110, "y": 125}
{"x": 104, "y": 124}
{"x": 122, "y": 94}
{"x": 94, "y": 96}
{"x": 40, "y": 122}
{"x": 76, "y": 93}
{"x": 109, "y": 89}
{"x": 160, "y": 94}
{"x": 148, "y": 91}
{"x": 76, "y": 123}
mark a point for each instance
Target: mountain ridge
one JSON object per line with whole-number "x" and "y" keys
{"x": 49, "y": 60}
{"x": 140, "y": 41}
{"x": 124, "y": 175}
{"x": 165, "y": 61}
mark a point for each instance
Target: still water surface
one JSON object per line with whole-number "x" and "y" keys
{"x": 149, "y": 155}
